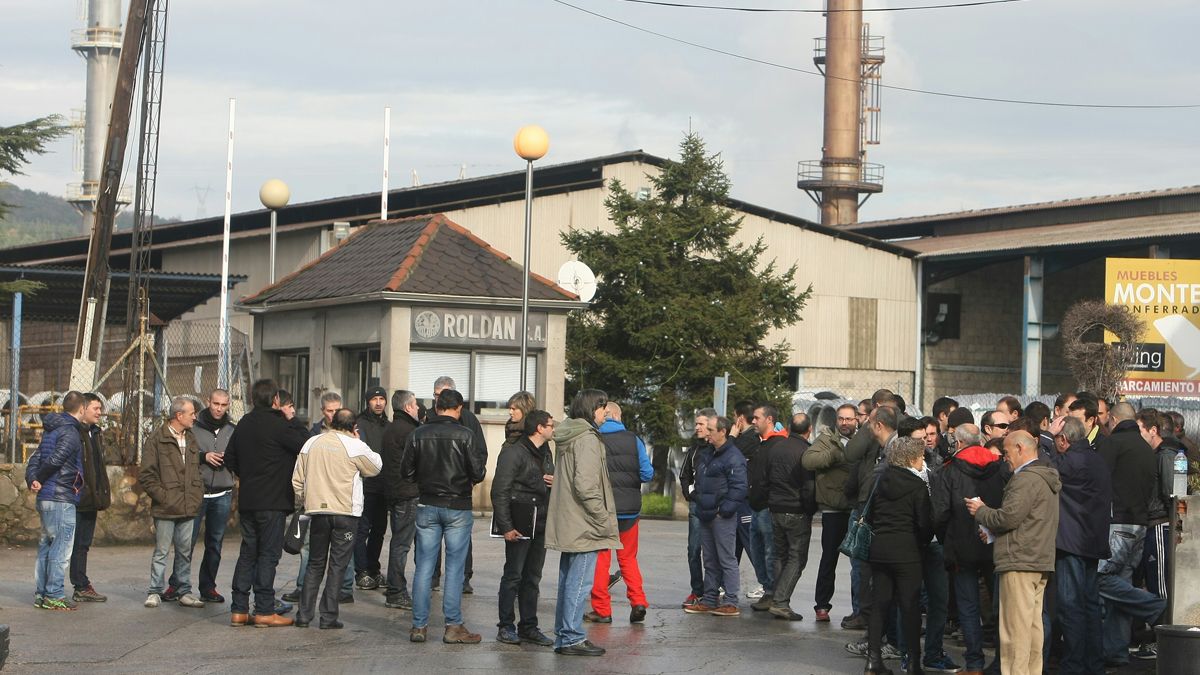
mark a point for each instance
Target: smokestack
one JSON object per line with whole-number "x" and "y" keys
{"x": 99, "y": 43}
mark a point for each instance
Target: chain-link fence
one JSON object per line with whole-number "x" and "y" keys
{"x": 187, "y": 352}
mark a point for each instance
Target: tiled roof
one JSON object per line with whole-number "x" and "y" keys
{"x": 1151, "y": 229}
{"x": 428, "y": 255}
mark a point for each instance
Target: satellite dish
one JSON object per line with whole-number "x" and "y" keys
{"x": 578, "y": 278}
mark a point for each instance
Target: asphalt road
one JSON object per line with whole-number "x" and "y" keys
{"x": 122, "y": 636}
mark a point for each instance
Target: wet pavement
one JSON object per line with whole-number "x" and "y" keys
{"x": 122, "y": 636}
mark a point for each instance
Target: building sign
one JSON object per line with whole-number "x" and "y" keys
{"x": 476, "y": 327}
{"x": 1165, "y": 294}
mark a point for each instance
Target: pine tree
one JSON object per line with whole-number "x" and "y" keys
{"x": 19, "y": 142}
{"x": 679, "y": 302}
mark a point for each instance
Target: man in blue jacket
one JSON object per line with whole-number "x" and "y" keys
{"x": 56, "y": 473}
{"x": 628, "y": 467}
{"x": 721, "y": 488}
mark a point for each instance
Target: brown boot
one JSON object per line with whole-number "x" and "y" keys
{"x": 271, "y": 621}
{"x": 236, "y": 619}
{"x": 457, "y": 634}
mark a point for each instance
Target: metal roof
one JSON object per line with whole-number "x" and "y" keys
{"x": 1145, "y": 229}
{"x": 171, "y": 294}
{"x": 426, "y": 255}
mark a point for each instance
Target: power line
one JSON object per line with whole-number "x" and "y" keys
{"x": 685, "y": 5}
{"x": 912, "y": 90}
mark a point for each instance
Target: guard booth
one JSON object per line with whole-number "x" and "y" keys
{"x": 402, "y": 302}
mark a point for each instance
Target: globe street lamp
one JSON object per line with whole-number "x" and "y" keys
{"x": 530, "y": 143}
{"x": 274, "y": 195}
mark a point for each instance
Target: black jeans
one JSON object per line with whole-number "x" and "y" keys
{"x": 85, "y": 532}
{"x": 330, "y": 540}
{"x": 833, "y": 530}
{"x": 791, "y": 532}
{"x": 262, "y": 546}
{"x": 404, "y": 527}
{"x": 368, "y": 543}
{"x": 523, "y": 561}
{"x": 895, "y": 583}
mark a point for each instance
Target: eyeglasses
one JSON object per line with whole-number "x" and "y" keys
{"x": 1001, "y": 425}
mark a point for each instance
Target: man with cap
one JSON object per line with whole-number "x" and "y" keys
{"x": 957, "y": 418}
{"x": 368, "y": 541}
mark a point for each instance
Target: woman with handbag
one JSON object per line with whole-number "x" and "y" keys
{"x": 901, "y": 518}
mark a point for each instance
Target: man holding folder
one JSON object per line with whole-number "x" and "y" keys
{"x": 520, "y": 493}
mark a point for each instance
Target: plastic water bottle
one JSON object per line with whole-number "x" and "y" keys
{"x": 1179, "y": 484}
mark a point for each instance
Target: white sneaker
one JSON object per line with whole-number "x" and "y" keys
{"x": 755, "y": 593}
{"x": 153, "y": 600}
{"x": 190, "y": 600}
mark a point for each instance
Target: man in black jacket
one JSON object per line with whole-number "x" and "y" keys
{"x": 524, "y": 474}
{"x": 94, "y": 496}
{"x": 401, "y": 496}
{"x": 471, "y": 422}
{"x": 368, "y": 541}
{"x": 441, "y": 457}
{"x": 791, "y": 499}
{"x": 262, "y": 454}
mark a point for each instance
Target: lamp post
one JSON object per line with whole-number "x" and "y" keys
{"x": 274, "y": 195}
{"x": 530, "y": 143}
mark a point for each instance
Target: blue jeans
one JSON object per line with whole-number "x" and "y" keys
{"x": 1078, "y": 608}
{"x": 434, "y": 523}
{"x": 1123, "y": 603}
{"x": 170, "y": 532}
{"x": 575, "y": 572}
{"x": 762, "y": 550}
{"x": 214, "y": 515}
{"x": 695, "y": 567}
{"x": 54, "y": 547}
{"x": 966, "y": 593}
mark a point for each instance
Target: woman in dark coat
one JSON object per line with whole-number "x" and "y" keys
{"x": 901, "y": 517}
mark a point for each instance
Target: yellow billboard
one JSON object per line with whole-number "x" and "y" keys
{"x": 1165, "y": 294}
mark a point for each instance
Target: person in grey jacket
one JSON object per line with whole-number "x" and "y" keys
{"x": 212, "y": 430}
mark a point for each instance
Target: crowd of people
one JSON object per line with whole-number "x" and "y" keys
{"x": 1039, "y": 533}
{"x": 340, "y": 485}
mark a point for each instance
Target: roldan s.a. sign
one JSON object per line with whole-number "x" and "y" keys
{"x": 478, "y": 327}
{"x": 1165, "y": 294}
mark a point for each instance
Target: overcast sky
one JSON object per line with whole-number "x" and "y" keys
{"x": 311, "y": 80}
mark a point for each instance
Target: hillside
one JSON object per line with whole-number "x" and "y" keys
{"x": 39, "y": 216}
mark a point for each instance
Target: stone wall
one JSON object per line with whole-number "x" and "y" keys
{"x": 127, "y": 521}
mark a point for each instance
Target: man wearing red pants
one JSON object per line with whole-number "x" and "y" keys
{"x": 628, "y": 467}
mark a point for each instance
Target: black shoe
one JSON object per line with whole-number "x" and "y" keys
{"x": 282, "y": 607}
{"x": 785, "y": 614}
{"x": 535, "y": 636}
{"x": 332, "y": 625}
{"x": 508, "y": 636}
{"x": 637, "y": 614}
{"x": 212, "y": 596}
{"x": 613, "y": 579}
{"x": 346, "y": 598}
{"x": 585, "y": 648}
{"x": 300, "y": 624}
{"x": 402, "y": 601}
{"x": 366, "y": 581}
{"x": 291, "y": 596}
{"x": 593, "y": 617}
{"x": 854, "y": 622}
{"x": 467, "y": 589}
{"x": 875, "y": 665}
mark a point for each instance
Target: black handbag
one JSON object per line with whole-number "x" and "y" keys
{"x": 297, "y": 532}
{"x": 857, "y": 542}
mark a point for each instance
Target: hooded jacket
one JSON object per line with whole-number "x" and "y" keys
{"x": 520, "y": 478}
{"x": 1159, "y": 509}
{"x": 1132, "y": 470}
{"x": 212, "y": 435}
{"x": 901, "y": 517}
{"x": 628, "y": 467}
{"x": 1085, "y": 501}
{"x": 262, "y": 453}
{"x": 58, "y": 462}
{"x": 720, "y": 482}
{"x": 759, "y": 490}
{"x": 827, "y": 459}
{"x": 441, "y": 457}
{"x": 395, "y": 485}
{"x": 583, "y": 515}
{"x": 171, "y": 475}
{"x": 973, "y": 472}
{"x": 1026, "y": 523}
